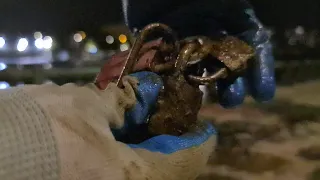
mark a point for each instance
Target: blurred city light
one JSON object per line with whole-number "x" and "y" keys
{"x": 48, "y": 39}
{"x": 22, "y": 44}
{"x": 124, "y": 47}
{"x": 4, "y": 85}
{"x": 47, "y": 66}
{"x": 20, "y": 84}
{"x": 37, "y": 35}
{"x": 91, "y": 48}
{"x": 83, "y": 34}
{"x": 20, "y": 66}
{"x": 109, "y": 39}
{"x": 299, "y": 30}
{"x": 47, "y": 82}
{"x": 3, "y": 66}
{"x": 2, "y": 42}
{"x": 77, "y": 37}
{"x": 39, "y": 43}
{"x": 63, "y": 56}
{"x": 123, "y": 38}
{"x": 47, "y": 42}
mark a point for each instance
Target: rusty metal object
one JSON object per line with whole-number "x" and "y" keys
{"x": 181, "y": 70}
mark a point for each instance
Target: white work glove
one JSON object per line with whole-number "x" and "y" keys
{"x": 50, "y": 132}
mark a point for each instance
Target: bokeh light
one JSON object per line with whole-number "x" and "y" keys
{"x": 299, "y": 30}
{"x": 91, "y": 47}
{"x": 124, "y": 47}
{"x": 83, "y": 34}
{"x": 47, "y": 42}
{"x": 109, "y": 39}
{"x": 22, "y": 44}
{"x": 77, "y": 37}
{"x": 39, "y": 43}
{"x": 47, "y": 66}
{"x": 63, "y": 56}
{"x": 2, "y": 42}
{"x": 3, "y": 66}
{"x": 37, "y": 35}
{"x": 123, "y": 38}
{"x": 4, "y": 85}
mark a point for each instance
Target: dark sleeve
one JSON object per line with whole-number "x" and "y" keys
{"x": 139, "y": 13}
{"x": 191, "y": 17}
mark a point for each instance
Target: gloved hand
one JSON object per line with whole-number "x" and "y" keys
{"x": 51, "y": 132}
{"x": 215, "y": 18}
{"x": 174, "y": 157}
{"x": 259, "y": 80}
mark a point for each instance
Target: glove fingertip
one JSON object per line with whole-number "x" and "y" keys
{"x": 264, "y": 94}
{"x": 231, "y": 95}
{"x": 261, "y": 76}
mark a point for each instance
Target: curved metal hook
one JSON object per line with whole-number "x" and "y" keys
{"x": 134, "y": 52}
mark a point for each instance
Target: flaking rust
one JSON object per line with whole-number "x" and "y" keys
{"x": 180, "y": 100}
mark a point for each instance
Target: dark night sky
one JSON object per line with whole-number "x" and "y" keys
{"x": 57, "y": 15}
{"x": 289, "y": 13}
{"x": 61, "y": 16}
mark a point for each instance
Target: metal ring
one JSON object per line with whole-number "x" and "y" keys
{"x": 185, "y": 55}
{"x": 221, "y": 73}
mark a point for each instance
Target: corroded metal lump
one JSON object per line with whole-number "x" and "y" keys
{"x": 178, "y": 107}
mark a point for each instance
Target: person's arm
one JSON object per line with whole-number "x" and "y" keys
{"x": 190, "y": 17}
{"x": 52, "y": 132}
